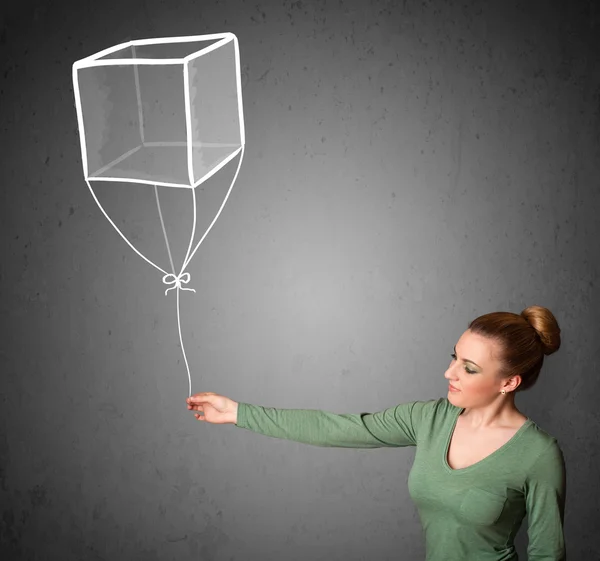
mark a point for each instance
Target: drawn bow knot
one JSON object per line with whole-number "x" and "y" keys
{"x": 176, "y": 280}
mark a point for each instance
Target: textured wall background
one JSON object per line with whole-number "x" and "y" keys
{"x": 409, "y": 166}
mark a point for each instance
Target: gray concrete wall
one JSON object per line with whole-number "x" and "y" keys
{"x": 409, "y": 166}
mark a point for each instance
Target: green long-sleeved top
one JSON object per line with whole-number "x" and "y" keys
{"x": 469, "y": 514}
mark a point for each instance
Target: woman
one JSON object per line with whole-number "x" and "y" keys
{"x": 480, "y": 464}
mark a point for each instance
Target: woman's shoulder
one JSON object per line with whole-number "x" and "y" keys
{"x": 433, "y": 408}
{"x": 543, "y": 440}
{"x": 539, "y": 451}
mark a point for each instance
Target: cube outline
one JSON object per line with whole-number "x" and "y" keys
{"x": 96, "y": 60}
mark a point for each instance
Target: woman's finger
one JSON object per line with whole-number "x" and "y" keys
{"x": 200, "y": 396}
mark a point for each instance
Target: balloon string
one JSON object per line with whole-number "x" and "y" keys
{"x": 162, "y": 223}
{"x": 189, "y": 255}
{"x": 183, "y": 277}
{"x": 187, "y": 366}
{"x": 119, "y": 231}
{"x": 176, "y": 280}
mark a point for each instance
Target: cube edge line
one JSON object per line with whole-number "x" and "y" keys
{"x": 81, "y": 63}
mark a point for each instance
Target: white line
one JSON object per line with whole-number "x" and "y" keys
{"x": 102, "y": 53}
{"x": 121, "y": 233}
{"x": 77, "y": 93}
{"x": 162, "y": 223}
{"x": 182, "y": 39}
{"x": 138, "y": 96}
{"x": 144, "y": 181}
{"x": 180, "y": 144}
{"x": 207, "y": 50}
{"x": 217, "y": 168}
{"x": 188, "y": 259}
{"x": 187, "y": 366}
{"x": 133, "y": 61}
{"x": 187, "y": 254}
{"x": 239, "y": 90}
{"x": 188, "y": 120}
{"x": 114, "y": 162}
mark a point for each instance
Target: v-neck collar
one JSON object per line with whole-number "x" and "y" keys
{"x": 483, "y": 460}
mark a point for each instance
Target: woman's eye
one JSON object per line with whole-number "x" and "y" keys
{"x": 453, "y": 355}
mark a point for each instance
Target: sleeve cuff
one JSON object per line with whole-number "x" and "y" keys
{"x": 241, "y": 415}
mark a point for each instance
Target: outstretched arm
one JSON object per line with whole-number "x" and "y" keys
{"x": 392, "y": 427}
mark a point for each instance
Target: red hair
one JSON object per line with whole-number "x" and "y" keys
{"x": 524, "y": 340}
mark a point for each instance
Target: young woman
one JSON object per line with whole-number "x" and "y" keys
{"x": 480, "y": 464}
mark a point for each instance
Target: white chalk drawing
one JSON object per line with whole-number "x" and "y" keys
{"x": 164, "y": 112}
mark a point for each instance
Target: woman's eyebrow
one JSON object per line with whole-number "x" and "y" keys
{"x": 466, "y": 359}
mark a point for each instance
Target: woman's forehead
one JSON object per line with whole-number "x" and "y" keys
{"x": 475, "y": 347}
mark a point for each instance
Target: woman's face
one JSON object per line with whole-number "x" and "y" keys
{"x": 473, "y": 371}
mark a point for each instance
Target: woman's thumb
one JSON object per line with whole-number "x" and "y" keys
{"x": 204, "y": 397}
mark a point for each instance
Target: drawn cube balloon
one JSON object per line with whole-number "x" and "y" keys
{"x": 164, "y": 111}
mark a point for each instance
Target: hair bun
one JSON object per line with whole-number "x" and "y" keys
{"x": 545, "y": 325}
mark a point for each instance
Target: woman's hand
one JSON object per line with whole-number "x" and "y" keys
{"x": 213, "y": 408}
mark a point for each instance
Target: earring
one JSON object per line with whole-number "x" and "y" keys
{"x": 503, "y": 392}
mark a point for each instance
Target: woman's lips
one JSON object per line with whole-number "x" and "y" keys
{"x": 452, "y": 388}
